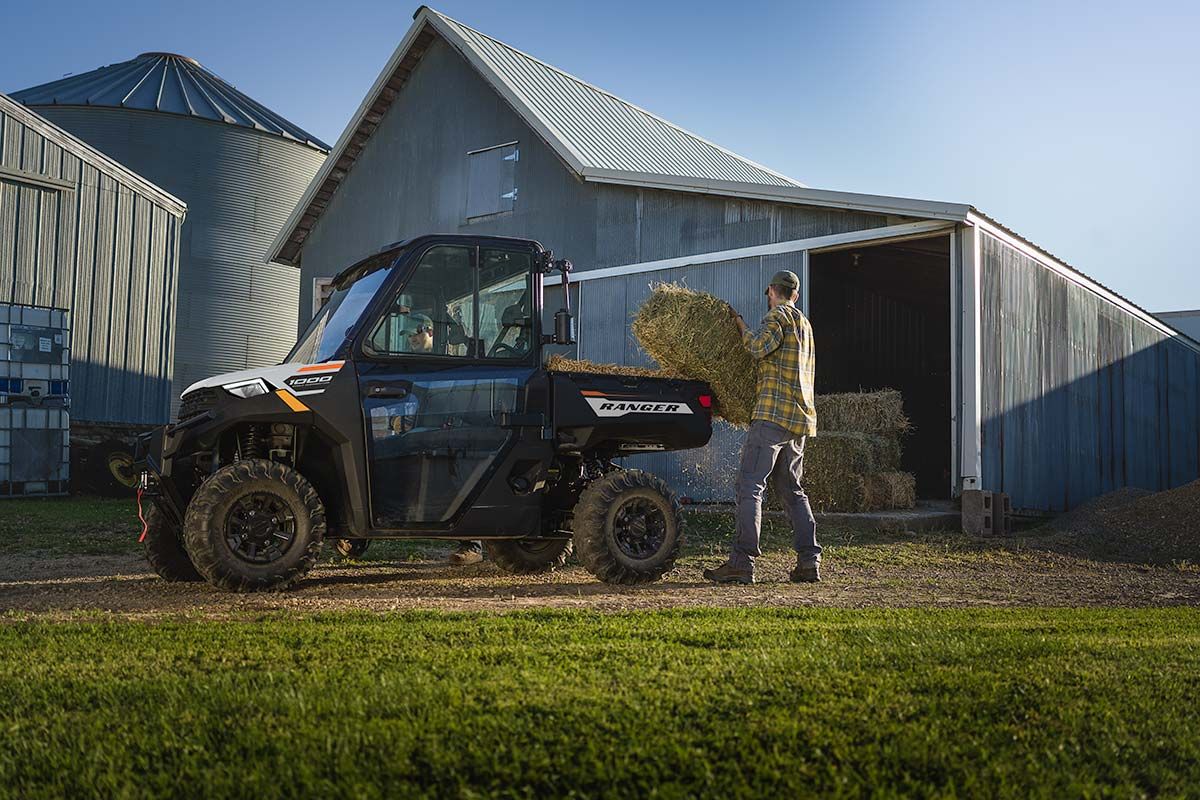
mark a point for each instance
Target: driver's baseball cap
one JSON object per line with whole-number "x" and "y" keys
{"x": 417, "y": 323}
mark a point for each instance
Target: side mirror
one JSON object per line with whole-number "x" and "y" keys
{"x": 564, "y": 323}
{"x": 564, "y": 327}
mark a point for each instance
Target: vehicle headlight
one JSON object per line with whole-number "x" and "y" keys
{"x": 247, "y": 388}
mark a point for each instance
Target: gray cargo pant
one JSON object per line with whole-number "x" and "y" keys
{"x": 770, "y": 448}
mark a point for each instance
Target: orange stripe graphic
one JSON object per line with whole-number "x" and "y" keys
{"x": 292, "y": 401}
{"x": 332, "y": 366}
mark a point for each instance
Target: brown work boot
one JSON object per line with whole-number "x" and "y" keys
{"x": 806, "y": 573}
{"x": 728, "y": 573}
{"x": 464, "y": 555}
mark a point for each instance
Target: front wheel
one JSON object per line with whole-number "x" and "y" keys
{"x": 255, "y": 525}
{"x": 164, "y": 548}
{"x": 628, "y": 527}
{"x": 528, "y": 556}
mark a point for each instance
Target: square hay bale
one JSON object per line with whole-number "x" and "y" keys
{"x": 690, "y": 333}
{"x": 852, "y": 473}
{"x": 887, "y": 491}
{"x": 879, "y": 412}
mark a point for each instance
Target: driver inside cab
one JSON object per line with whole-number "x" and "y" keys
{"x": 418, "y": 334}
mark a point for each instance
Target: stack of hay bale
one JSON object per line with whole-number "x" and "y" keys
{"x": 853, "y": 464}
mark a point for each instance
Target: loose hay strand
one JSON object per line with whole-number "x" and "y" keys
{"x": 559, "y": 363}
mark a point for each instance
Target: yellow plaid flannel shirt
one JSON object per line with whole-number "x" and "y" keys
{"x": 783, "y": 348}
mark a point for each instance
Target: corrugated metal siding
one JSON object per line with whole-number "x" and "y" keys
{"x": 105, "y": 253}
{"x": 410, "y": 179}
{"x": 235, "y": 311}
{"x": 1079, "y": 397}
{"x": 606, "y": 131}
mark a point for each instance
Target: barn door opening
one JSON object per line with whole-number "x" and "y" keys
{"x": 881, "y": 319}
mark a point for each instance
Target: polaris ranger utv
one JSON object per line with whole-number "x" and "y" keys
{"x": 416, "y": 405}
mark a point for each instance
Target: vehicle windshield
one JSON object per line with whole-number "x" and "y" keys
{"x": 334, "y": 323}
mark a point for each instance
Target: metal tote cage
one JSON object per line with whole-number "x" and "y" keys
{"x": 35, "y": 357}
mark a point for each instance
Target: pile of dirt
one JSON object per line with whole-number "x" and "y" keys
{"x": 1139, "y": 526}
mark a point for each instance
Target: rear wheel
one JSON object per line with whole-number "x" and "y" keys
{"x": 255, "y": 525}
{"x": 164, "y": 548}
{"x": 628, "y": 527}
{"x": 529, "y": 556}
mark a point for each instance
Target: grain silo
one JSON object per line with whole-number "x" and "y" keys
{"x": 240, "y": 168}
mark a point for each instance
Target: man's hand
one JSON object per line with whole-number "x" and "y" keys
{"x": 736, "y": 317}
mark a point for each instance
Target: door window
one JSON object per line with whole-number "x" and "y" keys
{"x": 505, "y": 310}
{"x": 431, "y": 450}
{"x": 428, "y": 315}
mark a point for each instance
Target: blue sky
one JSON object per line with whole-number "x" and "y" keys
{"x": 1075, "y": 123}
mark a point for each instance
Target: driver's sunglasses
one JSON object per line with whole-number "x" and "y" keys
{"x": 422, "y": 329}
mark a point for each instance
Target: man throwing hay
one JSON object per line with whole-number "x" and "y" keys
{"x": 784, "y": 415}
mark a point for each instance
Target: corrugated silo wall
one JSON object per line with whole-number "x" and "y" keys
{"x": 106, "y": 254}
{"x": 235, "y": 311}
{"x": 1080, "y": 397}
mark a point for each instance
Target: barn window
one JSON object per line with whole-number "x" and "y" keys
{"x": 492, "y": 180}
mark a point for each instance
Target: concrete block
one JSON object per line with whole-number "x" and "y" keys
{"x": 986, "y": 513}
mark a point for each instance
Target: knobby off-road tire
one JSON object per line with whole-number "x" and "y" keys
{"x": 528, "y": 556}
{"x": 351, "y": 548}
{"x": 628, "y": 527}
{"x": 249, "y": 502}
{"x": 163, "y": 546}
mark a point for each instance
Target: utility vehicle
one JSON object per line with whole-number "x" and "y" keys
{"x": 417, "y": 405}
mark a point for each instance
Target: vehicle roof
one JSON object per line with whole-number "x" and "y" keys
{"x": 390, "y": 252}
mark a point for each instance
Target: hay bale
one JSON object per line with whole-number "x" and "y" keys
{"x": 879, "y": 412}
{"x": 887, "y": 491}
{"x": 558, "y": 363}
{"x": 852, "y": 473}
{"x": 691, "y": 333}
{"x": 834, "y": 468}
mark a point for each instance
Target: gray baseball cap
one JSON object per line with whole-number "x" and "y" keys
{"x": 787, "y": 279}
{"x": 416, "y": 323}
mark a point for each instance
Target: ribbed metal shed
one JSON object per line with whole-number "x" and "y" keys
{"x": 240, "y": 167}
{"x": 81, "y": 232}
{"x": 170, "y": 84}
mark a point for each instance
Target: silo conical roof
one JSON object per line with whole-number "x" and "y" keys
{"x": 170, "y": 84}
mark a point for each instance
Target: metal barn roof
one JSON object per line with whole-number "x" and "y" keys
{"x": 167, "y": 83}
{"x": 600, "y": 130}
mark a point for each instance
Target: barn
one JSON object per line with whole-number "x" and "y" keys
{"x": 1021, "y": 374}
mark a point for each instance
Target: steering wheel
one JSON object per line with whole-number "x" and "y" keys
{"x": 502, "y": 347}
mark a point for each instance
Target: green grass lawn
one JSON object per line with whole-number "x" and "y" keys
{"x": 770, "y": 703}
{"x": 69, "y": 526}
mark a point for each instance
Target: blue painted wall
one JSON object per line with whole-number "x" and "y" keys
{"x": 1079, "y": 397}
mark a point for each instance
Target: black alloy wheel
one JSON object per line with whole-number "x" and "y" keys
{"x": 260, "y": 528}
{"x": 639, "y": 528}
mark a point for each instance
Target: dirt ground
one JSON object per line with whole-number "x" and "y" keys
{"x": 893, "y": 570}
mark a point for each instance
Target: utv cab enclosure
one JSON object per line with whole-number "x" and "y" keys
{"x": 417, "y": 405}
